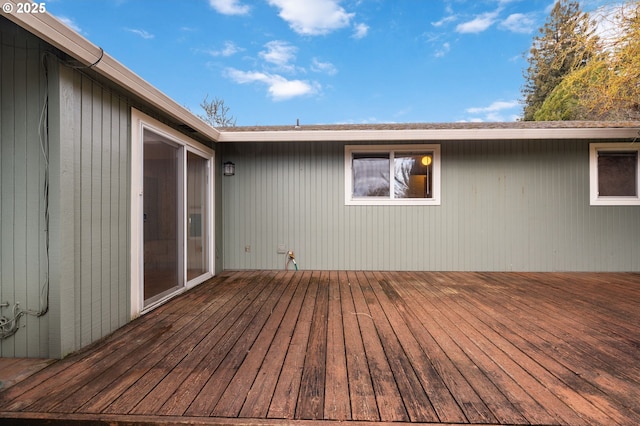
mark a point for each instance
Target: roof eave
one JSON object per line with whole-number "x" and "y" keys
{"x": 426, "y": 134}
{"x": 54, "y": 32}
{"x": 51, "y": 30}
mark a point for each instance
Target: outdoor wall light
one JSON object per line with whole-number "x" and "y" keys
{"x": 229, "y": 168}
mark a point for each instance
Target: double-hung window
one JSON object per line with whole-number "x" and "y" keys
{"x": 614, "y": 173}
{"x": 392, "y": 175}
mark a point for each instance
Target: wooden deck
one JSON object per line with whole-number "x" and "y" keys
{"x": 310, "y": 347}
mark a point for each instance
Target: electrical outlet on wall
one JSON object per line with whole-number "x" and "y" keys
{"x": 247, "y": 249}
{"x": 282, "y": 249}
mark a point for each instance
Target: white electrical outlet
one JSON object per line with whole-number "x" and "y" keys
{"x": 282, "y": 249}
{"x": 247, "y": 249}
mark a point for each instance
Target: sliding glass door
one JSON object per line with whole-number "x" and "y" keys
{"x": 161, "y": 217}
{"x": 197, "y": 214}
{"x": 176, "y": 217}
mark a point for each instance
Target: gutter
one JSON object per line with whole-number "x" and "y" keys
{"x": 440, "y": 134}
{"x": 51, "y": 30}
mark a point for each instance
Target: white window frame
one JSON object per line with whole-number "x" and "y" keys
{"x": 596, "y": 199}
{"x": 349, "y": 150}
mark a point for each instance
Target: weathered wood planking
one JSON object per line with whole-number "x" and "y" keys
{"x": 353, "y": 346}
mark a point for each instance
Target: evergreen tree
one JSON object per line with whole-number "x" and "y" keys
{"x": 564, "y": 44}
{"x": 613, "y": 82}
{"x": 608, "y": 86}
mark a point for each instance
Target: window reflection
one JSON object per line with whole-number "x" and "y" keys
{"x": 197, "y": 187}
{"x": 618, "y": 174}
{"x": 413, "y": 176}
{"x": 371, "y": 175}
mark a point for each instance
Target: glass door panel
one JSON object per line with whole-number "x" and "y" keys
{"x": 162, "y": 230}
{"x": 197, "y": 216}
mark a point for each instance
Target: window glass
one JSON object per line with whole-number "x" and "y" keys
{"x": 413, "y": 175}
{"x": 407, "y": 174}
{"x": 371, "y": 175}
{"x": 614, "y": 170}
{"x": 617, "y": 174}
{"x": 197, "y": 205}
{"x": 161, "y": 219}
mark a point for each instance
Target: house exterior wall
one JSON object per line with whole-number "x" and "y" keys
{"x": 506, "y": 205}
{"x": 88, "y": 204}
{"x": 23, "y": 258}
{"x": 90, "y": 189}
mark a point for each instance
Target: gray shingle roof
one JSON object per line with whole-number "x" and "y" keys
{"x": 442, "y": 126}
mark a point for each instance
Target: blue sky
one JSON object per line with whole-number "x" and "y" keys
{"x": 324, "y": 61}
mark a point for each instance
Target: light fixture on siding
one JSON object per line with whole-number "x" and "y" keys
{"x": 229, "y": 168}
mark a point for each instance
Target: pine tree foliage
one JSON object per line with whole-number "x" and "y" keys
{"x": 608, "y": 86}
{"x": 609, "y": 89}
{"x": 565, "y": 43}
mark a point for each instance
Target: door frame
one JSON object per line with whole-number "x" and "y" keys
{"x": 140, "y": 122}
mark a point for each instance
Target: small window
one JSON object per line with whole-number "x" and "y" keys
{"x": 388, "y": 175}
{"x": 614, "y": 174}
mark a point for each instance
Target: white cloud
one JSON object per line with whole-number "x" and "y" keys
{"x": 445, "y": 20}
{"x": 367, "y": 120}
{"x": 495, "y": 106}
{"x": 519, "y": 23}
{"x": 360, "y": 31}
{"x": 279, "y": 88}
{"x": 313, "y": 17}
{"x": 142, "y": 33}
{"x": 479, "y": 24}
{"x": 443, "y": 50}
{"x": 279, "y": 53}
{"x": 496, "y": 111}
{"x": 608, "y": 21}
{"x": 323, "y": 67}
{"x": 229, "y": 7}
{"x": 229, "y": 49}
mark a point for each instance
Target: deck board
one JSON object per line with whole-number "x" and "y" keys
{"x": 14, "y": 370}
{"x": 285, "y": 395}
{"x": 461, "y": 350}
{"x": 416, "y": 401}
{"x": 388, "y": 397}
{"x": 360, "y": 383}
{"x": 258, "y": 398}
{"x": 270, "y": 347}
{"x": 567, "y": 332}
{"x": 310, "y": 405}
{"x": 336, "y": 399}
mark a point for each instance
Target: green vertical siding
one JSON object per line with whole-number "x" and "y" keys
{"x": 23, "y": 260}
{"x": 94, "y": 158}
{"x": 506, "y": 205}
{"x": 89, "y": 199}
